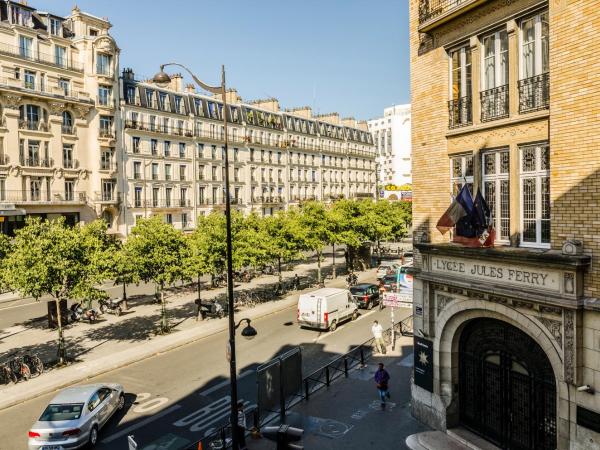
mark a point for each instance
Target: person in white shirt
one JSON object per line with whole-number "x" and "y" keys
{"x": 377, "y": 331}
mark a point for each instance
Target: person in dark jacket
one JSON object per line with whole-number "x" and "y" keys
{"x": 382, "y": 378}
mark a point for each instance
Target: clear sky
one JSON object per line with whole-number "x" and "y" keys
{"x": 349, "y": 56}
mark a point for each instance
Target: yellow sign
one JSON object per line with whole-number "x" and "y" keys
{"x": 393, "y": 187}
{"x": 1, "y": 219}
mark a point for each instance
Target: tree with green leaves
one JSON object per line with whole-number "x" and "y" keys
{"x": 199, "y": 258}
{"x": 158, "y": 251}
{"x": 314, "y": 220}
{"x": 124, "y": 270}
{"x": 287, "y": 237}
{"x": 50, "y": 258}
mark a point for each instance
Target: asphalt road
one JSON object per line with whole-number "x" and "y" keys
{"x": 184, "y": 393}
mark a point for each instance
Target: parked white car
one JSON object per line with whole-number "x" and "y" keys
{"x": 325, "y": 308}
{"x": 74, "y": 417}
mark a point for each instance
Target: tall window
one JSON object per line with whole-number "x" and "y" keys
{"x": 104, "y": 95}
{"x": 167, "y": 148}
{"x": 137, "y": 196}
{"x": 182, "y": 172}
{"x": 35, "y": 189}
{"x": 103, "y": 64}
{"x": 168, "y": 173}
{"x": 135, "y": 144}
{"x": 68, "y": 162}
{"x": 495, "y": 166}
{"x": 153, "y": 147}
{"x": 60, "y": 56}
{"x": 108, "y": 190}
{"x": 67, "y": 122}
{"x": 534, "y": 45}
{"x": 168, "y": 196}
{"x": 106, "y": 125}
{"x": 54, "y": 27}
{"x": 461, "y": 172}
{"x": 182, "y": 149}
{"x": 460, "y": 111}
{"x": 69, "y": 190}
{"x": 26, "y": 47}
{"x": 495, "y": 60}
{"x": 535, "y": 194}
{"x": 155, "y": 196}
{"x": 201, "y": 195}
{"x": 64, "y": 85}
{"x": 150, "y": 99}
{"x": 29, "y": 80}
{"x": 155, "y": 171}
{"x": 137, "y": 170}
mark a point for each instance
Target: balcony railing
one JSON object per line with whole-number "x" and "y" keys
{"x": 108, "y": 102}
{"x": 106, "y": 133}
{"x": 460, "y": 112}
{"x": 428, "y": 9}
{"x": 137, "y": 176}
{"x": 33, "y": 125}
{"x": 184, "y": 202}
{"x": 30, "y": 55}
{"x": 4, "y": 160}
{"x": 107, "y": 197}
{"x": 534, "y": 93}
{"x": 494, "y": 103}
{"x": 26, "y": 196}
{"x": 157, "y": 128}
{"x": 108, "y": 165}
{"x": 68, "y": 129}
{"x": 71, "y": 164}
{"x": 37, "y": 162}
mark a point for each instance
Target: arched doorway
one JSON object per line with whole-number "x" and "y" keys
{"x": 507, "y": 386}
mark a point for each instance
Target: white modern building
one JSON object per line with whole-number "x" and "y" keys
{"x": 391, "y": 135}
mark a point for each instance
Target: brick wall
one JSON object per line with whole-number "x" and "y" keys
{"x": 575, "y": 128}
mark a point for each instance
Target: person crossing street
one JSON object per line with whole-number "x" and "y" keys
{"x": 382, "y": 378}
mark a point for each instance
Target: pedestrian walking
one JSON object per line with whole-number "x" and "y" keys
{"x": 241, "y": 426}
{"x": 382, "y": 378}
{"x": 377, "y": 331}
{"x": 296, "y": 282}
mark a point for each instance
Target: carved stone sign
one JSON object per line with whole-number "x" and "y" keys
{"x": 522, "y": 276}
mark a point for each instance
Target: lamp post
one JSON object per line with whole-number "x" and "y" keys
{"x": 163, "y": 78}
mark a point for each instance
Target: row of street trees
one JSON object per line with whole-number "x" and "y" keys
{"x": 50, "y": 258}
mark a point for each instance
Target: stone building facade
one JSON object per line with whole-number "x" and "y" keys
{"x": 504, "y": 99}
{"x": 57, "y": 79}
{"x": 173, "y": 154}
{"x": 79, "y": 141}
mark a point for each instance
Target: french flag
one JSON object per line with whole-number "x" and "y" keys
{"x": 462, "y": 206}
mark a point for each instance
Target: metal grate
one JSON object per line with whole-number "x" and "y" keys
{"x": 460, "y": 112}
{"x": 534, "y": 93}
{"x": 494, "y": 103}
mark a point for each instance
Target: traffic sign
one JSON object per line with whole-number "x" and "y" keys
{"x": 397, "y": 299}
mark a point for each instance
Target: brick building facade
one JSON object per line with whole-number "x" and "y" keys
{"x": 505, "y": 98}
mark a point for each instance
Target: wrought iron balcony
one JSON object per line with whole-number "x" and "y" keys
{"x": 432, "y": 9}
{"x": 71, "y": 163}
{"x": 106, "y": 133}
{"x": 38, "y": 196}
{"x": 30, "y": 55}
{"x": 534, "y": 93}
{"x": 33, "y": 125}
{"x": 37, "y": 162}
{"x": 68, "y": 129}
{"x": 494, "y": 103}
{"x": 108, "y": 165}
{"x": 460, "y": 112}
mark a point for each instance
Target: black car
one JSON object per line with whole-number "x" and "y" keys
{"x": 366, "y": 295}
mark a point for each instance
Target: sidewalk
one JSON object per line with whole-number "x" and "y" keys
{"x": 348, "y": 415}
{"x": 132, "y": 336}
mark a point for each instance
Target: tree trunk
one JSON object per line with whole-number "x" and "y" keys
{"x": 319, "y": 266}
{"x": 199, "y": 310}
{"x": 279, "y": 268}
{"x": 378, "y": 252}
{"x": 125, "y": 296}
{"x": 333, "y": 273}
{"x": 164, "y": 322}
{"x": 62, "y": 351}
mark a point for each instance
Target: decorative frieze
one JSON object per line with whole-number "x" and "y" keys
{"x": 569, "y": 345}
{"x": 554, "y": 327}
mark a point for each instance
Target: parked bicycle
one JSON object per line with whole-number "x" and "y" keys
{"x": 19, "y": 368}
{"x": 6, "y": 374}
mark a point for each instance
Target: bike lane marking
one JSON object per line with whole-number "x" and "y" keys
{"x": 221, "y": 385}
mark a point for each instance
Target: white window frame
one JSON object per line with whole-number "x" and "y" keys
{"x": 497, "y": 177}
{"x": 463, "y": 178}
{"x": 538, "y": 174}
{"x": 497, "y": 56}
{"x": 463, "y": 67}
{"x": 537, "y": 49}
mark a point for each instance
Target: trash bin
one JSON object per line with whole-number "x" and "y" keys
{"x": 52, "y": 316}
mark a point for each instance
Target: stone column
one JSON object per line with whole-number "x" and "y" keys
{"x": 475, "y": 79}
{"x": 513, "y": 68}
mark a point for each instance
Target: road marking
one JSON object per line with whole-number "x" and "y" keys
{"x": 140, "y": 424}
{"x": 208, "y": 415}
{"x": 216, "y": 387}
{"x": 329, "y": 333}
{"x": 150, "y": 405}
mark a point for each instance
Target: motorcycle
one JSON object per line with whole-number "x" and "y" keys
{"x": 351, "y": 279}
{"x": 78, "y": 313}
{"x": 210, "y": 309}
{"x": 111, "y": 306}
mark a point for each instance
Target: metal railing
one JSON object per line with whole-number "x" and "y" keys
{"x": 106, "y": 133}
{"x": 494, "y": 103}
{"x": 428, "y": 9}
{"x": 33, "y": 125}
{"x": 315, "y": 381}
{"x": 108, "y": 165}
{"x": 534, "y": 93}
{"x": 36, "y": 162}
{"x": 26, "y": 196}
{"x": 460, "y": 112}
{"x": 31, "y": 55}
{"x": 68, "y": 129}
{"x": 71, "y": 163}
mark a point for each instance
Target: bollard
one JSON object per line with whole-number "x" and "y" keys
{"x": 327, "y": 382}
{"x": 362, "y": 357}
{"x": 346, "y": 367}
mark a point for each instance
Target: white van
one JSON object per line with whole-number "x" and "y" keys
{"x": 325, "y": 308}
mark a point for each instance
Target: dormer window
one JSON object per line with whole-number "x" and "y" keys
{"x": 93, "y": 32}
{"x": 54, "y": 27}
{"x": 150, "y": 98}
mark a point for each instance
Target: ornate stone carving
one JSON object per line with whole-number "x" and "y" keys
{"x": 105, "y": 44}
{"x": 569, "y": 345}
{"x": 442, "y": 301}
{"x": 56, "y": 108}
{"x": 521, "y": 304}
{"x": 498, "y": 299}
{"x": 58, "y": 173}
{"x": 569, "y": 283}
{"x": 16, "y": 171}
{"x": 554, "y": 327}
{"x": 83, "y": 174}
{"x": 551, "y": 310}
{"x": 454, "y": 290}
{"x": 11, "y": 101}
{"x": 476, "y": 294}
{"x": 82, "y": 111}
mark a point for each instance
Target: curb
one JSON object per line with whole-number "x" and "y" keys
{"x": 86, "y": 370}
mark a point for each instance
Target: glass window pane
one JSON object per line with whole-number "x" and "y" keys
{"x": 529, "y": 222}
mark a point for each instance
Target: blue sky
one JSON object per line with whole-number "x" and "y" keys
{"x": 349, "y": 56}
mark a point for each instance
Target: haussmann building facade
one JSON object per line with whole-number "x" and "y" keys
{"x": 506, "y": 98}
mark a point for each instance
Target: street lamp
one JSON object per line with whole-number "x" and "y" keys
{"x": 162, "y": 78}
